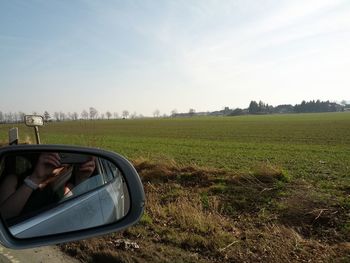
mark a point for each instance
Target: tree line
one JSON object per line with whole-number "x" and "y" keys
{"x": 91, "y": 114}
{"x": 254, "y": 108}
{"x": 304, "y": 107}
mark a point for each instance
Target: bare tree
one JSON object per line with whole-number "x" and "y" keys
{"x": 191, "y": 112}
{"x": 93, "y": 113}
{"x": 108, "y": 114}
{"x": 1, "y": 117}
{"x": 69, "y": 116}
{"x": 115, "y": 115}
{"x": 57, "y": 115}
{"x": 75, "y": 116}
{"x": 133, "y": 115}
{"x": 62, "y": 116}
{"x": 21, "y": 116}
{"x": 125, "y": 114}
{"x": 102, "y": 116}
{"x": 47, "y": 116}
{"x": 15, "y": 117}
{"x": 7, "y": 117}
{"x": 173, "y": 113}
{"x": 156, "y": 113}
{"x": 84, "y": 115}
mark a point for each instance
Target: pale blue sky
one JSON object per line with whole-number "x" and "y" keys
{"x": 146, "y": 55}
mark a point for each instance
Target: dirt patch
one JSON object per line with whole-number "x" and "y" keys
{"x": 314, "y": 214}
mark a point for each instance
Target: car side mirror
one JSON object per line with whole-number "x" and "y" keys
{"x": 51, "y": 194}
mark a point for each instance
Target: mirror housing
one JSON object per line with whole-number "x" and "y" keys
{"x": 131, "y": 179}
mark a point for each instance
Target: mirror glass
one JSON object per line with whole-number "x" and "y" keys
{"x": 45, "y": 193}
{"x": 33, "y": 120}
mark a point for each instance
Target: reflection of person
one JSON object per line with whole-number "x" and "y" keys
{"x": 35, "y": 191}
{"x": 81, "y": 173}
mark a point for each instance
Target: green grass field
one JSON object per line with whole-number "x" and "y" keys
{"x": 215, "y": 168}
{"x": 309, "y": 145}
{"x": 300, "y": 143}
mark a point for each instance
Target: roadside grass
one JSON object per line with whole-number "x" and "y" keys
{"x": 196, "y": 214}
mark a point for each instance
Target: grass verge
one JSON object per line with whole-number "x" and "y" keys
{"x": 196, "y": 214}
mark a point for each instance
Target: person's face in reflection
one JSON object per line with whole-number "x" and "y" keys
{"x": 85, "y": 170}
{"x": 49, "y": 168}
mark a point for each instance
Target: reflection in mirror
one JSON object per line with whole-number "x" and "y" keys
{"x": 45, "y": 193}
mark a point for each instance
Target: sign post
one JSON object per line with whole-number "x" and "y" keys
{"x": 34, "y": 121}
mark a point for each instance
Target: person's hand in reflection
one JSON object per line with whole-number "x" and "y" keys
{"x": 30, "y": 191}
{"x": 47, "y": 169}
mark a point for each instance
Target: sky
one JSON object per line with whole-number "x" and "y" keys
{"x": 173, "y": 54}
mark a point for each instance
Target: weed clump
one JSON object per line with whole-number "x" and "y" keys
{"x": 268, "y": 173}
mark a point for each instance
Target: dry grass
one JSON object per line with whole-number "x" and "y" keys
{"x": 198, "y": 214}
